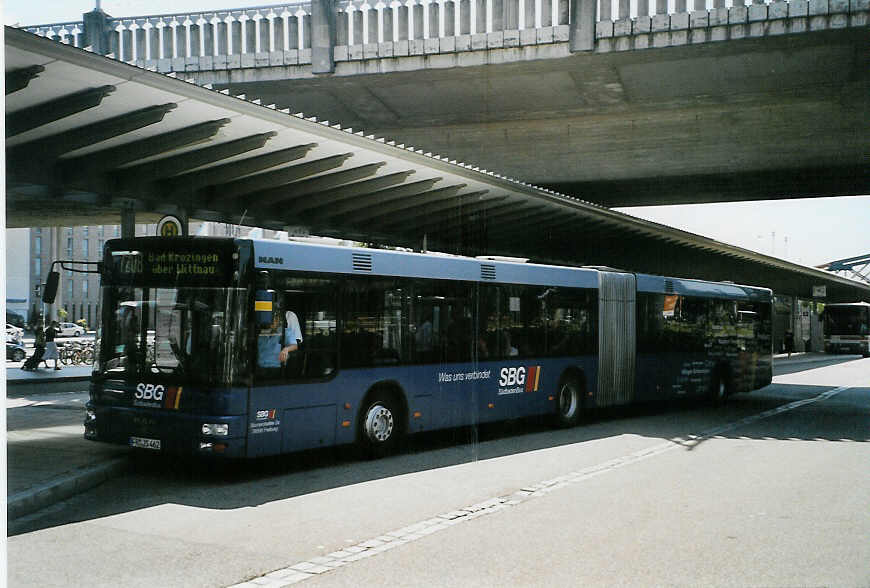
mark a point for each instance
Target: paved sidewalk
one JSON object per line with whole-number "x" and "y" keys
{"x": 48, "y": 459}
{"x": 783, "y": 359}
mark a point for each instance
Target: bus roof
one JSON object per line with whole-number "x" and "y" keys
{"x": 289, "y": 255}
{"x": 270, "y": 254}
{"x": 687, "y": 287}
{"x": 340, "y": 259}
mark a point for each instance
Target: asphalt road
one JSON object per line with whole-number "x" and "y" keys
{"x": 769, "y": 490}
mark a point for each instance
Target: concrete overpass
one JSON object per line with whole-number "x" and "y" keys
{"x": 92, "y": 140}
{"x": 619, "y": 103}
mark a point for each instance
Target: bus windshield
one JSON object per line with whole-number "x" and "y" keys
{"x": 190, "y": 334}
{"x": 846, "y": 320}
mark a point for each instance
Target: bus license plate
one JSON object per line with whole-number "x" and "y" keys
{"x": 144, "y": 443}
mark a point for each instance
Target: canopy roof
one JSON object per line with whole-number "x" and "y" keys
{"x": 87, "y": 136}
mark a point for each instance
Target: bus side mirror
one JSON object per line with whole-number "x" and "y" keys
{"x": 49, "y": 293}
{"x": 263, "y": 300}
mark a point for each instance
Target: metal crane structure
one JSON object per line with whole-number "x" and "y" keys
{"x": 853, "y": 267}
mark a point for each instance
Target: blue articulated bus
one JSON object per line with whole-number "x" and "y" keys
{"x": 247, "y": 348}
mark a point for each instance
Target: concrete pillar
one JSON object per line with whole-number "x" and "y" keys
{"x": 322, "y": 36}
{"x": 128, "y": 223}
{"x": 816, "y": 332}
{"x": 185, "y": 221}
{"x": 51, "y": 311}
{"x": 582, "y": 33}
{"x": 97, "y": 31}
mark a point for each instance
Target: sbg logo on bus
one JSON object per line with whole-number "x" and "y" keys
{"x": 149, "y": 392}
{"x": 520, "y": 376}
{"x": 153, "y": 395}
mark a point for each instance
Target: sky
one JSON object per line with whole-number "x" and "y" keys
{"x": 809, "y": 231}
{"x": 28, "y": 12}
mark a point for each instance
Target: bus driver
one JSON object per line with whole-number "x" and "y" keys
{"x": 270, "y": 351}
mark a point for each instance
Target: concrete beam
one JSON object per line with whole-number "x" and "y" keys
{"x": 775, "y": 184}
{"x": 322, "y": 36}
{"x": 581, "y": 36}
{"x": 97, "y": 29}
{"x": 128, "y": 222}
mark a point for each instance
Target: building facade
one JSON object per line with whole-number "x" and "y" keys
{"x": 78, "y": 296}
{"x": 17, "y": 283}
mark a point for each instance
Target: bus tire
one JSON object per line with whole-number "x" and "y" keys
{"x": 381, "y": 425}
{"x": 721, "y": 388}
{"x": 569, "y": 401}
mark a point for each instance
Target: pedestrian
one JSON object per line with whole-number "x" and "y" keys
{"x": 789, "y": 342}
{"x": 38, "y": 350}
{"x": 50, "y": 346}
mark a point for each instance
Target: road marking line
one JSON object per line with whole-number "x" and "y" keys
{"x": 303, "y": 570}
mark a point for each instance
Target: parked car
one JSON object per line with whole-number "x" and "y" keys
{"x": 13, "y": 318}
{"x": 14, "y": 333}
{"x": 15, "y": 351}
{"x": 70, "y": 330}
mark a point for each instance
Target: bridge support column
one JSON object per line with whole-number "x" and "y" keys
{"x": 322, "y": 36}
{"x": 96, "y": 34}
{"x": 582, "y": 34}
{"x": 128, "y": 222}
{"x": 184, "y": 217}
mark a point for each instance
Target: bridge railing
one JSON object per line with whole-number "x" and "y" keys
{"x": 376, "y": 21}
{"x": 240, "y": 31}
{"x": 282, "y": 34}
{"x": 611, "y": 10}
{"x": 69, "y": 33}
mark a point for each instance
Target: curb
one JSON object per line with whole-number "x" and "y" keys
{"x": 797, "y": 359}
{"x": 22, "y": 389}
{"x": 66, "y": 486}
{"x": 46, "y": 380}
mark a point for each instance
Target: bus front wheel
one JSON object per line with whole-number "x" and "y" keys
{"x": 380, "y": 426}
{"x": 569, "y": 402}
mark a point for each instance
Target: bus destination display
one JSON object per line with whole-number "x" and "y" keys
{"x": 169, "y": 265}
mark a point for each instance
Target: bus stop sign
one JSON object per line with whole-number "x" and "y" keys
{"x": 170, "y": 226}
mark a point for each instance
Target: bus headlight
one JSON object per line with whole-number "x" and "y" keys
{"x": 221, "y": 429}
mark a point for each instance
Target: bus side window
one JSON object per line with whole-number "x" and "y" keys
{"x": 309, "y": 328}
{"x": 300, "y": 340}
{"x": 570, "y": 329}
{"x": 426, "y": 321}
{"x": 491, "y": 343}
{"x": 441, "y": 322}
{"x": 375, "y": 317}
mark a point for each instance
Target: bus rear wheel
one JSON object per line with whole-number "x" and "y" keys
{"x": 380, "y": 426}
{"x": 721, "y": 390}
{"x": 569, "y": 402}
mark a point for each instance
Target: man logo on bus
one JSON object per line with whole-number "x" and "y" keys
{"x": 519, "y": 376}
